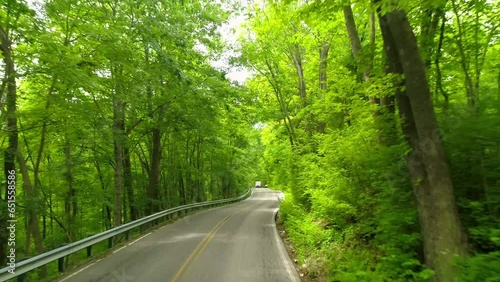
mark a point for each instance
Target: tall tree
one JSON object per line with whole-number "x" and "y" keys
{"x": 10, "y": 127}
{"x": 444, "y": 238}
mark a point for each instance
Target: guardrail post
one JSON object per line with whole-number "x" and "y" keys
{"x": 127, "y": 235}
{"x": 23, "y": 277}
{"x": 110, "y": 242}
{"x": 60, "y": 265}
{"x": 89, "y": 251}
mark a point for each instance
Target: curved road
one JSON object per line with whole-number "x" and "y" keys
{"x": 234, "y": 243}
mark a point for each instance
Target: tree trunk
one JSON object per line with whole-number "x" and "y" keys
{"x": 199, "y": 168}
{"x": 323, "y": 80}
{"x": 418, "y": 175}
{"x": 353, "y": 34}
{"x": 428, "y": 31}
{"x": 295, "y": 53}
{"x": 182, "y": 189}
{"x": 323, "y": 64}
{"x": 118, "y": 134}
{"x": 154, "y": 176}
{"x": 33, "y": 225}
{"x": 36, "y": 168}
{"x": 188, "y": 162}
{"x": 369, "y": 64}
{"x": 444, "y": 239}
{"x": 127, "y": 182}
{"x": 106, "y": 212}
{"x": 465, "y": 63}
{"x": 273, "y": 80}
{"x": 71, "y": 207}
{"x": 363, "y": 64}
{"x": 439, "y": 83}
{"x": 11, "y": 130}
{"x": 155, "y": 152}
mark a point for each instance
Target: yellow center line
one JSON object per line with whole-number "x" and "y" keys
{"x": 207, "y": 242}
{"x": 195, "y": 251}
{"x": 203, "y": 245}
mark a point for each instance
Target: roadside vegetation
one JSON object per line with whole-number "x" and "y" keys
{"x": 111, "y": 111}
{"x": 379, "y": 119}
{"x": 383, "y": 126}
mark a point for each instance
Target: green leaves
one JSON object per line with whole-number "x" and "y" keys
{"x": 329, "y": 155}
{"x": 111, "y": 91}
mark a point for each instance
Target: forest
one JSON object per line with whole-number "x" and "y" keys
{"x": 111, "y": 112}
{"x": 380, "y": 120}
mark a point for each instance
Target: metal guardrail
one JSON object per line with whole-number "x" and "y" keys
{"x": 58, "y": 254}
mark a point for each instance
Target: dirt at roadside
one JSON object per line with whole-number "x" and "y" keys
{"x": 302, "y": 270}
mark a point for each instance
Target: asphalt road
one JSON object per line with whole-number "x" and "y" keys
{"x": 234, "y": 243}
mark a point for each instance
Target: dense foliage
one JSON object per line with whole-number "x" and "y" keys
{"x": 339, "y": 141}
{"x": 380, "y": 119}
{"x": 119, "y": 114}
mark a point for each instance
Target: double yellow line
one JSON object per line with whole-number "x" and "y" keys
{"x": 193, "y": 257}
